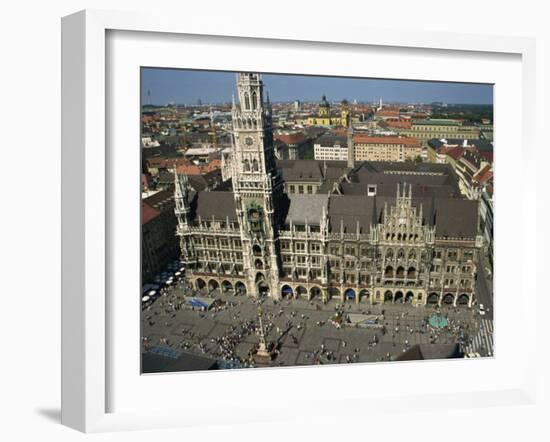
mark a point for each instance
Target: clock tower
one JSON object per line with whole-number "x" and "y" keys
{"x": 257, "y": 185}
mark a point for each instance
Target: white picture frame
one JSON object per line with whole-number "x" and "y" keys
{"x": 86, "y": 213}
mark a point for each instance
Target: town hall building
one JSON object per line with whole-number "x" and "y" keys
{"x": 368, "y": 232}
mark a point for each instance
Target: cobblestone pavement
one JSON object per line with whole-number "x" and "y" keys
{"x": 301, "y": 330}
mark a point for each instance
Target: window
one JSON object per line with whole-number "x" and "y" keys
{"x": 300, "y": 247}
{"x": 315, "y": 248}
{"x": 452, "y": 254}
{"x": 309, "y": 189}
{"x": 349, "y": 249}
{"x": 291, "y": 188}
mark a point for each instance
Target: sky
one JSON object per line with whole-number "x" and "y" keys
{"x": 182, "y": 86}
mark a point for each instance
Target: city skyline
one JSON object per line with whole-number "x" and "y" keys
{"x": 160, "y": 86}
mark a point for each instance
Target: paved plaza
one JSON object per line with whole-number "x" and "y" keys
{"x": 298, "y": 331}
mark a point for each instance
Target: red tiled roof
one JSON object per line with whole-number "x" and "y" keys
{"x": 168, "y": 163}
{"x": 296, "y": 138}
{"x": 401, "y": 123}
{"x": 387, "y": 113}
{"x": 455, "y": 152}
{"x": 193, "y": 169}
{"x": 483, "y": 175}
{"x": 365, "y": 139}
{"x": 148, "y": 213}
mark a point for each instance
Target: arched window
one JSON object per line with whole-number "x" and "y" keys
{"x": 246, "y": 166}
{"x": 255, "y": 165}
{"x": 246, "y": 101}
{"x": 401, "y": 253}
{"x": 257, "y": 250}
{"x": 412, "y": 255}
{"x": 389, "y": 254}
{"x": 254, "y": 100}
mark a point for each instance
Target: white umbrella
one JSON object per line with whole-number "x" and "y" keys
{"x": 145, "y": 298}
{"x": 152, "y": 292}
{"x": 177, "y": 273}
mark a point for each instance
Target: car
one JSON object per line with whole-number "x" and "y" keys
{"x": 481, "y": 310}
{"x": 472, "y": 355}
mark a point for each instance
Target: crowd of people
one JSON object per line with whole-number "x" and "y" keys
{"x": 282, "y": 324}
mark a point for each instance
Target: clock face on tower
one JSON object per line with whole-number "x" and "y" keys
{"x": 249, "y": 141}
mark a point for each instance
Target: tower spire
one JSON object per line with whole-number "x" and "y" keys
{"x": 351, "y": 147}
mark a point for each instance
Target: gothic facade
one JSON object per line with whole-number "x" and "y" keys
{"x": 370, "y": 233}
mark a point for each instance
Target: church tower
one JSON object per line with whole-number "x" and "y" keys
{"x": 344, "y": 113}
{"x": 257, "y": 185}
